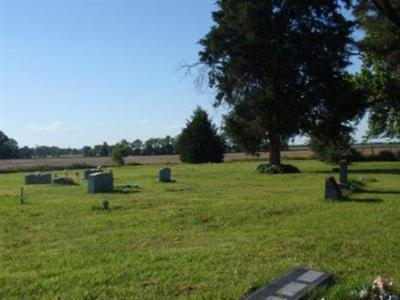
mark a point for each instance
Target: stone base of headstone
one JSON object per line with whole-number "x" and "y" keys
{"x": 293, "y": 286}
{"x": 100, "y": 183}
{"x": 38, "y": 179}
{"x": 332, "y": 189}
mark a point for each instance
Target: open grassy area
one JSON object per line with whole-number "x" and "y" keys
{"x": 217, "y": 232}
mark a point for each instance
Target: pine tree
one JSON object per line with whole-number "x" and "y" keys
{"x": 199, "y": 141}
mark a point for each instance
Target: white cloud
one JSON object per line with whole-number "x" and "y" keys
{"x": 53, "y": 127}
{"x": 144, "y": 121}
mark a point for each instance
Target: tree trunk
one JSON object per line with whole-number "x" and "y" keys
{"x": 275, "y": 150}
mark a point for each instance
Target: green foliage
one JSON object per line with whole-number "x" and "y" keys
{"x": 119, "y": 152}
{"x": 275, "y": 64}
{"x": 380, "y": 75}
{"x": 8, "y": 147}
{"x": 274, "y": 169}
{"x": 331, "y": 150}
{"x": 199, "y": 141}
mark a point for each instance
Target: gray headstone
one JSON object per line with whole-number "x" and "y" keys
{"x": 332, "y": 189}
{"x": 343, "y": 173}
{"x": 293, "y": 286}
{"x": 165, "y": 175}
{"x": 100, "y": 183}
{"x": 38, "y": 179}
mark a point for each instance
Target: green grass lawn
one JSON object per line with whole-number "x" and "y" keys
{"x": 218, "y": 232}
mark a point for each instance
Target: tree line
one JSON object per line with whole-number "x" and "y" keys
{"x": 9, "y": 148}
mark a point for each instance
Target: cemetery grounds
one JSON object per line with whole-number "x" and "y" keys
{"x": 219, "y": 232}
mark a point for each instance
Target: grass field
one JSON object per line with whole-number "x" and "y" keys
{"x": 218, "y": 232}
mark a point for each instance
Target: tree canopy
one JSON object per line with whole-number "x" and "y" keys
{"x": 380, "y": 76}
{"x": 277, "y": 65}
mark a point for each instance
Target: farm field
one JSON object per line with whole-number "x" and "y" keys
{"x": 218, "y": 232}
{"x": 64, "y": 162}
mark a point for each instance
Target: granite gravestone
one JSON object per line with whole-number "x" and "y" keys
{"x": 343, "y": 173}
{"x": 332, "y": 189}
{"x": 100, "y": 183}
{"x": 293, "y": 286}
{"x": 38, "y": 179}
{"x": 165, "y": 175}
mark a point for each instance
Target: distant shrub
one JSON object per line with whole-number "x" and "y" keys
{"x": 386, "y": 156}
{"x": 274, "y": 169}
{"x": 199, "y": 141}
{"x": 330, "y": 150}
{"x": 118, "y": 154}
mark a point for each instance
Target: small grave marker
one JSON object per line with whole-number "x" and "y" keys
{"x": 22, "y": 196}
{"x": 293, "y": 286}
{"x": 106, "y": 204}
{"x": 38, "y": 178}
{"x": 165, "y": 175}
{"x": 332, "y": 189}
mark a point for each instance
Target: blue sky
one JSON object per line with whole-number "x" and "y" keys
{"x": 77, "y": 73}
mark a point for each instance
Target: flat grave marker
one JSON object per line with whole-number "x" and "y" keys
{"x": 38, "y": 178}
{"x": 293, "y": 286}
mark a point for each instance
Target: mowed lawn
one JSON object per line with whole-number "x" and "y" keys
{"x": 218, "y": 232}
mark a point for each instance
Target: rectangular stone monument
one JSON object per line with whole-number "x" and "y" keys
{"x": 332, "y": 189}
{"x": 343, "y": 180}
{"x": 293, "y": 286}
{"x": 165, "y": 175}
{"x": 38, "y": 179}
{"x": 100, "y": 183}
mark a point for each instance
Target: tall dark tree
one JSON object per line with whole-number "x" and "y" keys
{"x": 104, "y": 150}
{"x": 273, "y": 62}
{"x": 380, "y": 76}
{"x": 199, "y": 141}
{"x": 8, "y": 147}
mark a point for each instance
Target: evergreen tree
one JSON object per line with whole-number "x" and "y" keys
{"x": 275, "y": 63}
{"x": 199, "y": 141}
{"x": 8, "y": 147}
{"x": 380, "y": 76}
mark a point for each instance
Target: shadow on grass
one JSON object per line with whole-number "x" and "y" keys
{"x": 123, "y": 192}
{"x": 383, "y": 192}
{"x": 362, "y": 200}
{"x": 364, "y": 171}
{"x": 110, "y": 209}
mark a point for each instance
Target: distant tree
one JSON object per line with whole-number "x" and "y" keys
{"x": 8, "y": 147}
{"x": 273, "y": 63}
{"x": 25, "y": 152}
{"x": 137, "y": 147}
{"x": 87, "y": 151}
{"x": 104, "y": 150}
{"x": 199, "y": 141}
{"x": 380, "y": 76}
{"x": 119, "y": 152}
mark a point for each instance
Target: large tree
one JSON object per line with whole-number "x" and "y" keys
{"x": 274, "y": 63}
{"x": 380, "y": 19}
{"x": 8, "y": 147}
